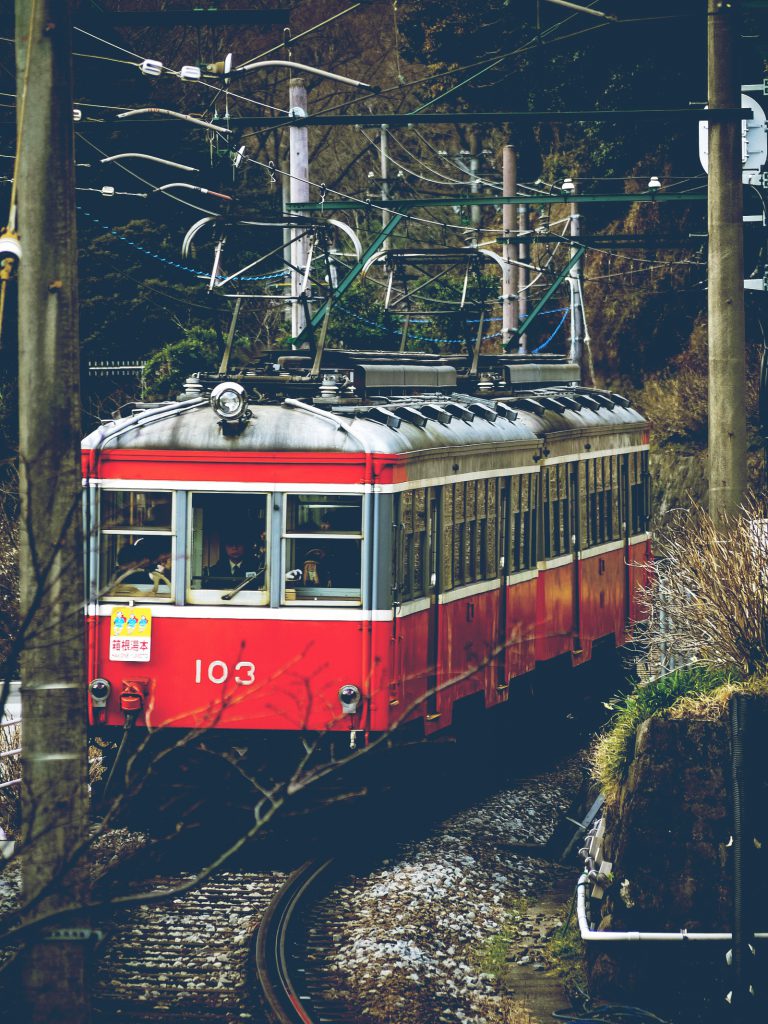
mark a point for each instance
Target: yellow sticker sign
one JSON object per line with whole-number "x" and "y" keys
{"x": 130, "y": 634}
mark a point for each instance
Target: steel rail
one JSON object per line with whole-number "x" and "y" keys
{"x": 285, "y": 1003}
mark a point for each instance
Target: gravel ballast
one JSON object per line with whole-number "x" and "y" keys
{"x": 410, "y": 940}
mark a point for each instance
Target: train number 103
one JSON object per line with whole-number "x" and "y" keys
{"x": 219, "y": 672}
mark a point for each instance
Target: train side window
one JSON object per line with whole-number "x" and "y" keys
{"x": 639, "y": 490}
{"x": 546, "y": 498}
{"x": 645, "y": 471}
{"x": 615, "y": 499}
{"x": 136, "y": 545}
{"x": 228, "y": 551}
{"x": 470, "y": 534}
{"x": 523, "y": 532}
{"x": 322, "y": 547}
{"x": 446, "y": 569}
{"x": 459, "y": 531}
{"x": 406, "y": 544}
{"x": 584, "y": 506}
{"x": 593, "y": 508}
{"x": 490, "y": 547}
{"x": 560, "y": 509}
{"x": 411, "y": 511}
{"x": 419, "y": 542}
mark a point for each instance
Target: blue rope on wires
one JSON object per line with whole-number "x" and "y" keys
{"x": 173, "y": 263}
{"x": 544, "y": 344}
{"x": 455, "y": 341}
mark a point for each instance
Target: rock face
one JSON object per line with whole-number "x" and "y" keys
{"x": 668, "y": 840}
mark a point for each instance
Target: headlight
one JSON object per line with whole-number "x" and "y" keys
{"x": 100, "y": 690}
{"x": 229, "y": 400}
{"x": 350, "y": 698}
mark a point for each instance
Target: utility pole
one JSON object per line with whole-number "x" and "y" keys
{"x": 285, "y": 185}
{"x": 385, "y": 214}
{"x": 576, "y": 351}
{"x": 522, "y": 271}
{"x": 474, "y": 183}
{"x": 298, "y": 138}
{"x": 509, "y": 307}
{"x": 54, "y": 794}
{"x": 727, "y": 369}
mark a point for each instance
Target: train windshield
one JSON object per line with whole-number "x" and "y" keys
{"x": 137, "y": 544}
{"x": 229, "y": 548}
{"x": 322, "y": 547}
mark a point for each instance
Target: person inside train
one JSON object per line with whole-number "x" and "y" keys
{"x": 332, "y": 563}
{"x": 143, "y": 565}
{"x": 236, "y": 562}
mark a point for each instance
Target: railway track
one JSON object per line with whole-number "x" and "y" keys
{"x": 278, "y": 959}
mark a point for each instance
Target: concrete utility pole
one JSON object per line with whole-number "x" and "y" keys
{"x": 727, "y": 369}
{"x": 522, "y": 272}
{"x": 576, "y": 352}
{"x": 385, "y": 214}
{"x": 55, "y": 794}
{"x": 474, "y": 184}
{"x": 285, "y": 186}
{"x": 509, "y": 307}
{"x": 298, "y": 138}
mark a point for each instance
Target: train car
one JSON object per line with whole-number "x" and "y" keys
{"x": 346, "y": 551}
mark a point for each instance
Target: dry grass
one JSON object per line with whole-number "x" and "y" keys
{"x": 708, "y": 594}
{"x": 714, "y": 705}
{"x": 708, "y": 606}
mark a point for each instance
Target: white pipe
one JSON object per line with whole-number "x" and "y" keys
{"x": 588, "y": 935}
{"x": 175, "y": 113}
{"x": 301, "y": 67}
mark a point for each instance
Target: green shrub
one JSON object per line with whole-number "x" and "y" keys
{"x": 167, "y": 369}
{"x": 614, "y": 750}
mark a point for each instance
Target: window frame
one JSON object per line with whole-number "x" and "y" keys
{"x": 212, "y": 596}
{"x": 344, "y": 597}
{"x": 102, "y": 595}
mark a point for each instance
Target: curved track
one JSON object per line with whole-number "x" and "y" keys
{"x": 276, "y": 969}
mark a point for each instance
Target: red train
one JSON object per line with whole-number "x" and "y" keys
{"x": 348, "y": 549}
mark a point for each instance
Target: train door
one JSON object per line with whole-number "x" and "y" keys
{"x": 433, "y": 590}
{"x": 501, "y": 637}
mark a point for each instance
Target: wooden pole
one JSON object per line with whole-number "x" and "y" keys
{"x": 54, "y": 759}
{"x": 727, "y": 367}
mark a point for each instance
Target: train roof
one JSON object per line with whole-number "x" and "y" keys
{"x": 377, "y": 402}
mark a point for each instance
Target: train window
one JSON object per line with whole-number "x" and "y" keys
{"x": 136, "y": 545}
{"x": 470, "y": 529}
{"x": 601, "y": 501}
{"x": 561, "y": 510}
{"x": 523, "y": 509}
{"x": 614, "y": 500}
{"x": 585, "y": 525}
{"x": 490, "y": 537}
{"x": 228, "y": 553}
{"x": 556, "y": 513}
{"x": 411, "y": 511}
{"x": 322, "y": 544}
{"x": 419, "y": 542}
{"x": 459, "y": 532}
{"x": 446, "y": 570}
{"x": 470, "y": 533}
{"x": 639, "y": 491}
